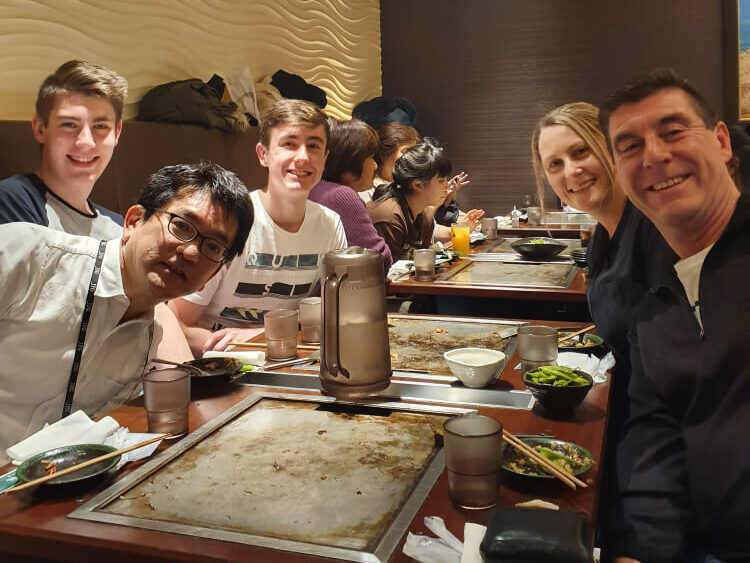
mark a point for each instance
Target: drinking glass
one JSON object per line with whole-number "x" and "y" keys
{"x": 281, "y": 334}
{"x": 534, "y": 215}
{"x": 586, "y": 232}
{"x": 473, "y": 453}
{"x": 489, "y": 228}
{"x": 166, "y": 394}
{"x": 460, "y": 238}
{"x": 424, "y": 264}
{"x": 309, "y": 319}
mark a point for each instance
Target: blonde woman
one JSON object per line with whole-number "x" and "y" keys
{"x": 570, "y": 156}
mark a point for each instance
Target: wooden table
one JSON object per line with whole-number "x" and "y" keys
{"x": 35, "y": 529}
{"x": 574, "y": 292}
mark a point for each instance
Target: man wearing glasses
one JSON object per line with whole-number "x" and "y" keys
{"x": 77, "y": 314}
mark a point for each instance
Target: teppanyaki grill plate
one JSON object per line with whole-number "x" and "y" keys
{"x": 291, "y": 473}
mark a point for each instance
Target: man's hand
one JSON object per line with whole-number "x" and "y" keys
{"x": 220, "y": 339}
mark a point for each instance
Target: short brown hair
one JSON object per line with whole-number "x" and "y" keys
{"x": 85, "y": 78}
{"x": 648, "y": 84}
{"x": 349, "y": 145}
{"x": 393, "y": 135}
{"x": 294, "y": 112}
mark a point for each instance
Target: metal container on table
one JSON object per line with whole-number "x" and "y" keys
{"x": 355, "y": 358}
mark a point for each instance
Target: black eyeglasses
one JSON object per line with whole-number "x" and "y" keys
{"x": 185, "y": 231}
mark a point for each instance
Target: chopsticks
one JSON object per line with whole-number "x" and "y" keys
{"x": 578, "y": 332}
{"x": 263, "y": 345}
{"x": 567, "y": 478}
{"x": 73, "y": 468}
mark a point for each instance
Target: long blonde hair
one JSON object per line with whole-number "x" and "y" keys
{"x": 583, "y": 119}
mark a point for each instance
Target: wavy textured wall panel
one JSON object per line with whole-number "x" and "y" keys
{"x": 333, "y": 44}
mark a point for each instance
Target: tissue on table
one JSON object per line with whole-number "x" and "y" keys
{"x": 77, "y": 428}
{"x": 400, "y": 268}
{"x": 122, "y": 438}
{"x": 592, "y": 365}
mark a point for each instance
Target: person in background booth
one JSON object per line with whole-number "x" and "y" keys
{"x": 404, "y": 213}
{"x": 395, "y": 138}
{"x": 349, "y": 169}
{"x": 74, "y": 293}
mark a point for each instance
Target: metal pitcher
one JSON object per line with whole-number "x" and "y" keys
{"x": 355, "y": 356}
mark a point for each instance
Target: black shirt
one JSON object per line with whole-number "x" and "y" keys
{"x": 684, "y": 465}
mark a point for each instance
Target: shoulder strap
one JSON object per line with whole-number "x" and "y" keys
{"x": 82, "y": 332}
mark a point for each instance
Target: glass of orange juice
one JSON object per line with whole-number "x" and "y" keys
{"x": 460, "y": 238}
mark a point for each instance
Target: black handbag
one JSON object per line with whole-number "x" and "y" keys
{"x": 529, "y": 535}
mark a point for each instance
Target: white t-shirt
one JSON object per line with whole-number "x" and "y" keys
{"x": 275, "y": 270}
{"x": 689, "y": 272}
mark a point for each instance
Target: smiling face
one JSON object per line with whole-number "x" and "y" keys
{"x": 77, "y": 141}
{"x": 295, "y": 158}
{"x": 157, "y": 266}
{"x": 670, "y": 165}
{"x": 573, "y": 171}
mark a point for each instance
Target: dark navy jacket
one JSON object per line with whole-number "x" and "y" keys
{"x": 684, "y": 465}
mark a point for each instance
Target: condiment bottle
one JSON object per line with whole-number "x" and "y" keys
{"x": 515, "y": 217}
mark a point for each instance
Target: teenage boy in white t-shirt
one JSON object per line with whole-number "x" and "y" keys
{"x": 290, "y": 235}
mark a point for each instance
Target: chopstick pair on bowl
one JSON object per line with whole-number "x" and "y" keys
{"x": 88, "y": 463}
{"x": 577, "y": 333}
{"x": 569, "y": 479}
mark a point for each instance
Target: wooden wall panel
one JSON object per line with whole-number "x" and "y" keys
{"x": 481, "y": 72}
{"x": 333, "y": 44}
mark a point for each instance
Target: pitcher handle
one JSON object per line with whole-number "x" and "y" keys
{"x": 333, "y": 284}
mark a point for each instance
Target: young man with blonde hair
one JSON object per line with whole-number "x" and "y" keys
{"x": 280, "y": 262}
{"x": 77, "y": 123}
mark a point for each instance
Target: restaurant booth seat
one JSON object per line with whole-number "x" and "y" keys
{"x": 143, "y": 148}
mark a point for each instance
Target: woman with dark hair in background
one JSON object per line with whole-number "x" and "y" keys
{"x": 350, "y": 168}
{"x": 404, "y": 214}
{"x": 395, "y": 138}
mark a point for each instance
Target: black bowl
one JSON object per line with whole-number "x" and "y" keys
{"x": 62, "y": 458}
{"x": 559, "y": 398}
{"x": 539, "y": 250}
{"x": 580, "y": 262}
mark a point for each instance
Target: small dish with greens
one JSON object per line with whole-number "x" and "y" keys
{"x": 567, "y": 456}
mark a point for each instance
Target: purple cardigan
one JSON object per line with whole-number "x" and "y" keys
{"x": 357, "y": 224}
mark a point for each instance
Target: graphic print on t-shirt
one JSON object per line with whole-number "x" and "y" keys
{"x": 276, "y": 266}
